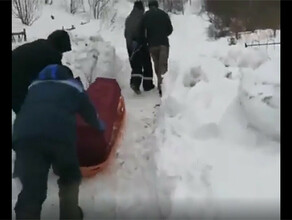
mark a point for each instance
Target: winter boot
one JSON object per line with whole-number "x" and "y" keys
{"x": 159, "y": 90}
{"x": 148, "y": 88}
{"x": 68, "y": 196}
{"x": 135, "y": 89}
{"x": 148, "y": 84}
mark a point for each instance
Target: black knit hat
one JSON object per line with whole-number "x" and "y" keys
{"x": 139, "y": 5}
{"x": 61, "y": 40}
{"x": 152, "y": 3}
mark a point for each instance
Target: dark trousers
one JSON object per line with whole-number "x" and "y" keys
{"x": 141, "y": 66}
{"x": 33, "y": 161}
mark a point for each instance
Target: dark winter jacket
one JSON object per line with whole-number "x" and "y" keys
{"x": 158, "y": 27}
{"x": 133, "y": 30}
{"x": 50, "y": 107}
{"x": 29, "y": 59}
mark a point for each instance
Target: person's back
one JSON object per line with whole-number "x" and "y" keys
{"x": 133, "y": 26}
{"x": 49, "y": 109}
{"x": 29, "y": 59}
{"x": 158, "y": 27}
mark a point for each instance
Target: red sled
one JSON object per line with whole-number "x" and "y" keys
{"x": 97, "y": 149}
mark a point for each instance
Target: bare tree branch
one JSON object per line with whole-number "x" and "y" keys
{"x": 26, "y": 10}
{"x": 97, "y": 6}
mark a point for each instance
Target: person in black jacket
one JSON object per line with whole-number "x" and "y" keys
{"x": 44, "y": 134}
{"x": 138, "y": 51}
{"x": 29, "y": 59}
{"x": 157, "y": 26}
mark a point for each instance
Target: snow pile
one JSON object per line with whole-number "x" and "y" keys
{"x": 248, "y": 57}
{"x": 91, "y": 57}
{"x": 205, "y": 131}
{"x": 259, "y": 94}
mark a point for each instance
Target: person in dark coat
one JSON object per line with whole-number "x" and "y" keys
{"x": 30, "y": 58}
{"x": 157, "y": 26}
{"x": 138, "y": 50}
{"x": 44, "y": 134}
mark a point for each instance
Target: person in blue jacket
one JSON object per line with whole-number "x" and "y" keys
{"x": 44, "y": 134}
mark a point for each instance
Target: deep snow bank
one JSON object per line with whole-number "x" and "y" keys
{"x": 220, "y": 164}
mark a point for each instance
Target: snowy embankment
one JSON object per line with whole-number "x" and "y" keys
{"x": 213, "y": 145}
{"x": 219, "y": 125}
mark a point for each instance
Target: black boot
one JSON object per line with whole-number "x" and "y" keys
{"x": 135, "y": 89}
{"x": 148, "y": 88}
{"x": 160, "y": 90}
{"x": 68, "y": 195}
{"x": 148, "y": 85}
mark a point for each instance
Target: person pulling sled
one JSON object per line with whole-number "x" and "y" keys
{"x": 138, "y": 50}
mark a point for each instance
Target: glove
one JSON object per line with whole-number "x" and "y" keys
{"x": 101, "y": 125}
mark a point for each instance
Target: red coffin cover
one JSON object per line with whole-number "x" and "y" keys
{"x": 93, "y": 146}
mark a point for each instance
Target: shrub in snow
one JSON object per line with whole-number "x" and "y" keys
{"x": 48, "y": 2}
{"x": 174, "y": 6}
{"x": 215, "y": 31}
{"x": 97, "y": 7}
{"x": 26, "y": 10}
{"x": 244, "y": 15}
{"x": 75, "y": 5}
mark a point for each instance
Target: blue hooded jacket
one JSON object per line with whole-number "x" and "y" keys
{"x": 50, "y": 107}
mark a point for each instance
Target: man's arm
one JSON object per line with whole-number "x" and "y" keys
{"x": 169, "y": 25}
{"x": 143, "y": 30}
{"x": 89, "y": 113}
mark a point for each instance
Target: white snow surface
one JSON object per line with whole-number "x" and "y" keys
{"x": 211, "y": 150}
